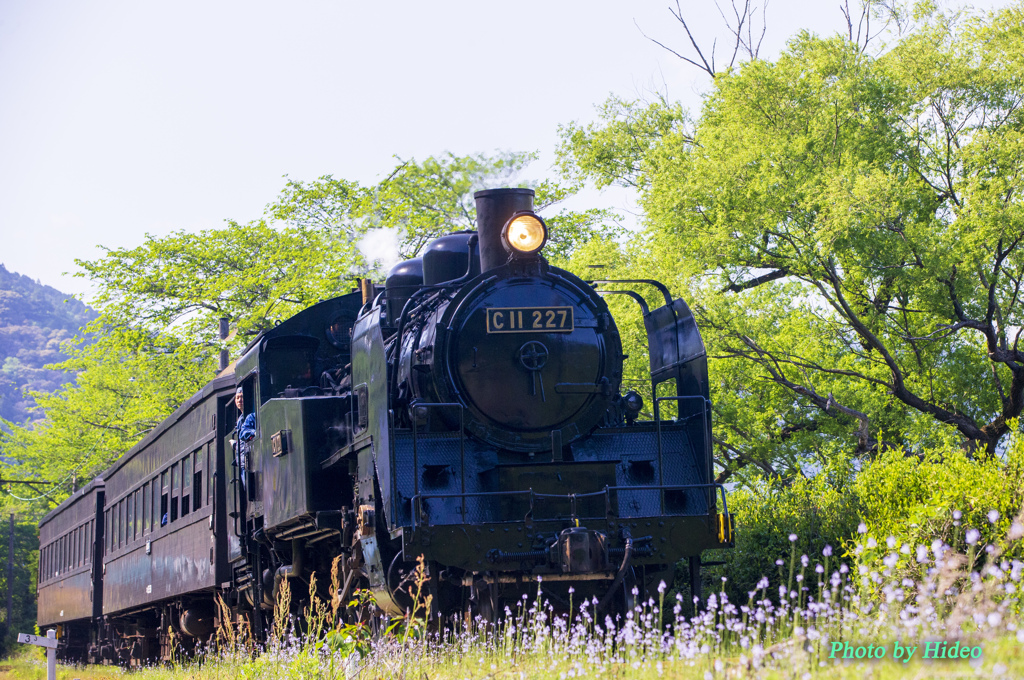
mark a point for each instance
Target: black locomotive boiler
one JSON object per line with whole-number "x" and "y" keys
{"x": 471, "y": 413}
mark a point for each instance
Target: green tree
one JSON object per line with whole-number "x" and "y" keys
{"x": 849, "y": 226}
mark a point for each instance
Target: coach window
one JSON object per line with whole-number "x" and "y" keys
{"x": 197, "y": 479}
{"x": 106, "y": 532}
{"x": 175, "y": 489}
{"x": 79, "y": 550}
{"x": 165, "y": 496}
{"x": 122, "y": 523}
{"x": 138, "y": 513}
{"x": 186, "y": 483}
{"x": 154, "y": 493}
{"x": 147, "y": 508}
{"x": 129, "y": 519}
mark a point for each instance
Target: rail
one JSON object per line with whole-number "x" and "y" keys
{"x": 418, "y": 514}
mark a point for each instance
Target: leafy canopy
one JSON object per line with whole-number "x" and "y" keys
{"x": 848, "y": 226}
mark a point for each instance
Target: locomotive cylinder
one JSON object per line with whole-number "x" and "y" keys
{"x": 494, "y": 207}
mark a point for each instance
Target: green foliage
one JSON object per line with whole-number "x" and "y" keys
{"x": 849, "y": 228}
{"x": 819, "y": 511}
{"x": 942, "y": 495}
{"x": 23, "y": 585}
{"x": 254, "y": 274}
{"x": 894, "y": 500}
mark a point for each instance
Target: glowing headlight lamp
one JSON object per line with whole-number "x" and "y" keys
{"x": 524, "y": 234}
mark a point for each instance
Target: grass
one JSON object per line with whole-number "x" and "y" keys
{"x": 890, "y": 591}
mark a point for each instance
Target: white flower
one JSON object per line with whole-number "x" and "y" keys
{"x": 862, "y": 528}
{"x": 792, "y": 538}
{"x": 1016, "y": 531}
{"x": 993, "y": 515}
{"x": 872, "y": 542}
{"x": 972, "y": 536}
{"x": 661, "y": 588}
{"x": 957, "y": 514}
{"x": 827, "y": 551}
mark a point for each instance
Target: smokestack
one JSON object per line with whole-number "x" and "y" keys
{"x": 368, "y": 290}
{"x": 494, "y": 207}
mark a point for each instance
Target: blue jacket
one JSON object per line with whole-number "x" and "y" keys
{"x": 245, "y": 428}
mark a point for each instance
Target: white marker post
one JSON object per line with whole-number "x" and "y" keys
{"x": 50, "y": 642}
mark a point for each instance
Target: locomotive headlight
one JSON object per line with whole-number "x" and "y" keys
{"x": 524, "y": 234}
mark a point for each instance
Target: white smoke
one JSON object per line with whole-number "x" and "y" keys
{"x": 380, "y": 248}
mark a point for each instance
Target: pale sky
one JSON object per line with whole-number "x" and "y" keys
{"x": 122, "y": 118}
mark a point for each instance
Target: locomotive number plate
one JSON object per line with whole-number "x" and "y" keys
{"x": 529, "y": 320}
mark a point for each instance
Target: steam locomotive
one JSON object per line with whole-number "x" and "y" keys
{"x": 471, "y": 413}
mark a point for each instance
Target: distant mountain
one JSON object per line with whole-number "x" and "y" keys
{"x": 34, "y": 321}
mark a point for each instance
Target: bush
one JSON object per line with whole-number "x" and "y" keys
{"x": 820, "y": 511}
{"x": 916, "y": 500}
{"x": 942, "y": 495}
